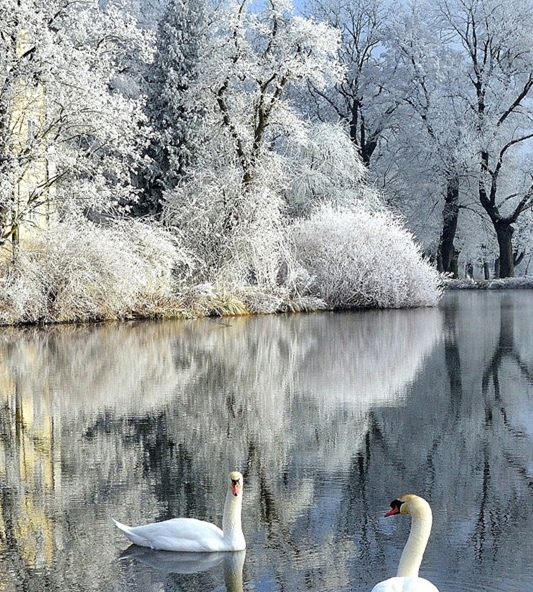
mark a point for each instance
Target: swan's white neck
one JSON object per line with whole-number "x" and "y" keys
{"x": 421, "y": 520}
{"x": 231, "y": 520}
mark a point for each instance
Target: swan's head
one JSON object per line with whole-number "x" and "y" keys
{"x": 235, "y": 483}
{"x": 408, "y": 504}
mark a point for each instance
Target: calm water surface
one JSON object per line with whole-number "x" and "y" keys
{"x": 329, "y": 417}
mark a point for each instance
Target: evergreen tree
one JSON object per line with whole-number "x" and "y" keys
{"x": 175, "y": 136}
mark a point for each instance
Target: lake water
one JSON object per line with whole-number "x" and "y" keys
{"x": 329, "y": 416}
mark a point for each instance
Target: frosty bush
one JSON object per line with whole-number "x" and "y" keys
{"x": 86, "y": 272}
{"x": 364, "y": 259}
{"x": 325, "y": 163}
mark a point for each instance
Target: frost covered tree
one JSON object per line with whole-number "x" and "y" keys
{"x": 431, "y": 133}
{"x": 231, "y": 206}
{"x": 325, "y": 166}
{"x": 468, "y": 66}
{"x": 69, "y": 110}
{"x": 262, "y": 165}
{"x": 496, "y": 43}
{"x": 174, "y": 144}
{"x": 361, "y": 99}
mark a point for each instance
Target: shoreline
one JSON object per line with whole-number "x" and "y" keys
{"x": 214, "y": 306}
{"x": 516, "y": 283}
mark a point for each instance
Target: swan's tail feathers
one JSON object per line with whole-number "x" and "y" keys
{"x": 125, "y": 529}
{"x": 128, "y": 531}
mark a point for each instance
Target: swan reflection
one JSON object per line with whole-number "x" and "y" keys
{"x": 189, "y": 563}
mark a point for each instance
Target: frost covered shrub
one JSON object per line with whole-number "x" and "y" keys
{"x": 364, "y": 259}
{"x": 325, "y": 164}
{"x": 86, "y": 272}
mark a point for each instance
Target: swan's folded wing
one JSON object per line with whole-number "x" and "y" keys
{"x": 178, "y": 534}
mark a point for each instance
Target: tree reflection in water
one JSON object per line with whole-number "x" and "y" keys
{"x": 329, "y": 417}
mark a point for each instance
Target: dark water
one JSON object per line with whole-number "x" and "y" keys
{"x": 329, "y": 417}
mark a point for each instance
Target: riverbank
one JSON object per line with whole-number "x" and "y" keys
{"x": 206, "y": 301}
{"x": 516, "y": 283}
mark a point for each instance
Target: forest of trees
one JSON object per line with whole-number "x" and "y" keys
{"x": 186, "y": 157}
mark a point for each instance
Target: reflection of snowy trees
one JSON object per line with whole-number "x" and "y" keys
{"x": 472, "y": 451}
{"x": 329, "y": 416}
{"x": 181, "y": 403}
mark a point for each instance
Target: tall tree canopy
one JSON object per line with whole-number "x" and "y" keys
{"x": 232, "y": 203}
{"x": 175, "y": 128}
{"x": 464, "y": 78}
{"x": 496, "y": 44}
{"x": 361, "y": 99}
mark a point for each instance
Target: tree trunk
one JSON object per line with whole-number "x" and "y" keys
{"x": 504, "y": 232}
{"x": 502, "y": 226}
{"x": 447, "y": 256}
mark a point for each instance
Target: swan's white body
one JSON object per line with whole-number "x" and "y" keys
{"x": 407, "y": 579}
{"x": 195, "y": 536}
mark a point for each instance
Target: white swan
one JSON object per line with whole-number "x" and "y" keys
{"x": 407, "y": 579}
{"x": 191, "y": 535}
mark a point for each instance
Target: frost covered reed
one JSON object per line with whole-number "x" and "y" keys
{"x": 343, "y": 258}
{"x": 82, "y": 272}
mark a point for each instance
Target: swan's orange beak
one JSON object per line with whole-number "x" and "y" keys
{"x": 235, "y": 487}
{"x": 394, "y": 508}
{"x": 392, "y": 511}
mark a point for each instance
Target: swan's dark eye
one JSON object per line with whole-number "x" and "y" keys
{"x": 395, "y": 508}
